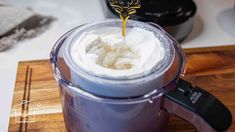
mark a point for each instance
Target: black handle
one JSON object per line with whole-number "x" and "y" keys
{"x": 198, "y": 106}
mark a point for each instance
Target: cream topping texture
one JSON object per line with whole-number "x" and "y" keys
{"x": 104, "y": 52}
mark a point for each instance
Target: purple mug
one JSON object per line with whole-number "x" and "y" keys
{"x": 140, "y": 104}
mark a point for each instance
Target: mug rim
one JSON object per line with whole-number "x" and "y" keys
{"x": 169, "y": 57}
{"x": 147, "y": 97}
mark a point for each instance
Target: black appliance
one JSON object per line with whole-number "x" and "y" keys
{"x": 175, "y": 16}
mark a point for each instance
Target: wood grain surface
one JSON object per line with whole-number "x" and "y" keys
{"x": 36, "y": 103}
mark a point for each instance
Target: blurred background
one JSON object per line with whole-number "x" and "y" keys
{"x": 29, "y": 29}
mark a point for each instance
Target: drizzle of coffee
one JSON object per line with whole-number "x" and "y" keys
{"x": 125, "y": 8}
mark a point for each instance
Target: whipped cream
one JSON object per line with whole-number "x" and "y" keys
{"x": 104, "y": 52}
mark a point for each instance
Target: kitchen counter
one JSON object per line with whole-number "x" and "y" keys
{"x": 208, "y": 31}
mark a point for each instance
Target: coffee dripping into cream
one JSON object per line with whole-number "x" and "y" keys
{"x": 125, "y": 9}
{"x": 106, "y": 52}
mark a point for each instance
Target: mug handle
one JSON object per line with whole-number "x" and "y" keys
{"x": 197, "y": 106}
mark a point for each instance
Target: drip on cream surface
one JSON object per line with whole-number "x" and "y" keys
{"x": 105, "y": 52}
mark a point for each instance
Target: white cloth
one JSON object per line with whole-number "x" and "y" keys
{"x": 17, "y": 24}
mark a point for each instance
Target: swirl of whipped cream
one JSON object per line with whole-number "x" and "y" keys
{"x": 104, "y": 52}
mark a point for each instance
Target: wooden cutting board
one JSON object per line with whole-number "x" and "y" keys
{"x": 36, "y": 103}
